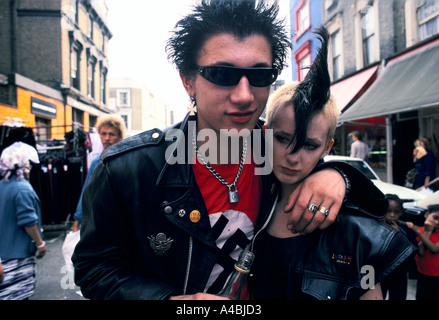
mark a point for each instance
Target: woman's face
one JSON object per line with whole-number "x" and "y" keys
{"x": 293, "y": 168}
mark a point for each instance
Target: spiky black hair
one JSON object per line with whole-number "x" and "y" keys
{"x": 313, "y": 92}
{"x": 241, "y": 18}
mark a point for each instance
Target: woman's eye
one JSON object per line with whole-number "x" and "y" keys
{"x": 310, "y": 146}
{"x": 281, "y": 139}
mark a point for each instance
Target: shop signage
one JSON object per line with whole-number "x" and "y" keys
{"x": 43, "y": 108}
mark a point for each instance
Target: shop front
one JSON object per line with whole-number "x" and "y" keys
{"x": 406, "y": 95}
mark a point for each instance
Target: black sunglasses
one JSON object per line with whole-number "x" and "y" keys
{"x": 230, "y": 76}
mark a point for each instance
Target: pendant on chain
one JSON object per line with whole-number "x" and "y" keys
{"x": 233, "y": 194}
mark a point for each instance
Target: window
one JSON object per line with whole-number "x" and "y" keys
{"x": 92, "y": 121}
{"x": 103, "y": 83}
{"x": 368, "y": 32}
{"x": 77, "y": 116}
{"x": 91, "y": 77}
{"x": 42, "y": 129}
{"x": 103, "y": 43}
{"x": 303, "y": 60}
{"x": 90, "y": 27}
{"x": 74, "y": 68}
{"x": 304, "y": 65}
{"x": 123, "y": 98}
{"x": 302, "y": 18}
{"x": 73, "y": 11}
{"x": 336, "y": 55}
{"x": 125, "y": 119}
{"x": 428, "y": 18}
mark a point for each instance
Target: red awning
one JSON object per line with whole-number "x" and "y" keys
{"x": 347, "y": 91}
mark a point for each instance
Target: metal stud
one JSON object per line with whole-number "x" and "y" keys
{"x": 168, "y": 209}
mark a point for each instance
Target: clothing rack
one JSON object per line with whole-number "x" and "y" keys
{"x": 12, "y": 121}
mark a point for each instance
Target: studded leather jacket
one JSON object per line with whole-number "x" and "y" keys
{"x": 137, "y": 239}
{"x": 340, "y": 262}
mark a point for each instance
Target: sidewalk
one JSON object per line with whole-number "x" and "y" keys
{"x": 53, "y": 281}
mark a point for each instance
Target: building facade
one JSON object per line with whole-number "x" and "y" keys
{"x": 140, "y": 109}
{"x": 53, "y": 66}
{"x": 367, "y": 37}
{"x": 305, "y": 16}
{"x": 53, "y": 88}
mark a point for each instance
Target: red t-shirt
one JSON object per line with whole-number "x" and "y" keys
{"x": 232, "y": 223}
{"x": 428, "y": 264}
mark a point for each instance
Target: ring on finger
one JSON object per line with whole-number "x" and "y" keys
{"x": 312, "y": 208}
{"x": 324, "y": 210}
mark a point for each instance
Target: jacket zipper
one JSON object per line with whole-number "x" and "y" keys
{"x": 266, "y": 222}
{"x": 188, "y": 267}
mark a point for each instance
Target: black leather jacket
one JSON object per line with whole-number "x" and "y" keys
{"x": 341, "y": 262}
{"x": 137, "y": 239}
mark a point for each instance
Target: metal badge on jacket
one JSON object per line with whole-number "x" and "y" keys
{"x": 160, "y": 244}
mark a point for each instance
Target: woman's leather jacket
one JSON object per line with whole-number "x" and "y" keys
{"x": 137, "y": 238}
{"x": 344, "y": 260}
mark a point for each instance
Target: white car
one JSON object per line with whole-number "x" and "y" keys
{"x": 405, "y": 194}
{"x": 420, "y": 206}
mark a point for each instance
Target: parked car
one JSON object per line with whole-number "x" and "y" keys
{"x": 405, "y": 194}
{"x": 417, "y": 209}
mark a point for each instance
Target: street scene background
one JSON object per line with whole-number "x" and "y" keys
{"x": 67, "y": 63}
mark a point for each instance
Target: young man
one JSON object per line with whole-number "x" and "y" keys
{"x": 159, "y": 225}
{"x": 358, "y": 148}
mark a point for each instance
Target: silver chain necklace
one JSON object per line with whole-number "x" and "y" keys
{"x": 233, "y": 191}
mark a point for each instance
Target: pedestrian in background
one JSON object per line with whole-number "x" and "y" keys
{"x": 111, "y": 130}
{"x": 424, "y": 162}
{"x": 427, "y": 259}
{"x": 359, "y": 149}
{"x": 20, "y": 227}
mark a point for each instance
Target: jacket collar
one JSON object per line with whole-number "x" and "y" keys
{"x": 176, "y": 171}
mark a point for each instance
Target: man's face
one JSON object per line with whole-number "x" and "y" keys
{"x": 109, "y": 136}
{"x": 231, "y": 107}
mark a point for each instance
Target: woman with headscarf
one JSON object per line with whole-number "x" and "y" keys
{"x": 20, "y": 236}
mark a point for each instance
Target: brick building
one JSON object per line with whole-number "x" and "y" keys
{"x": 53, "y": 66}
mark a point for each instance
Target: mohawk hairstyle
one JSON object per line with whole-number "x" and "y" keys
{"x": 313, "y": 92}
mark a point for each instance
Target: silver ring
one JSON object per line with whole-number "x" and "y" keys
{"x": 324, "y": 211}
{"x": 313, "y": 208}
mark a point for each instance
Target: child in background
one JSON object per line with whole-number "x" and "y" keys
{"x": 397, "y": 285}
{"x": 427, "y": 259}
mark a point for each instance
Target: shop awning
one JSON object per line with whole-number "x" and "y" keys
{"x": 347, "y": 91}
{"x": 408, "y": 82}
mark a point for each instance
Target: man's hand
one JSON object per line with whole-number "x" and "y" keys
{"x": 325, "y": 189}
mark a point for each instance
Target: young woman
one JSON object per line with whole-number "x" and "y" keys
{"x": 350, "y": 258}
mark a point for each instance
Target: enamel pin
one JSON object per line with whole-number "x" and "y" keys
{"x": 160, "y": 244}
